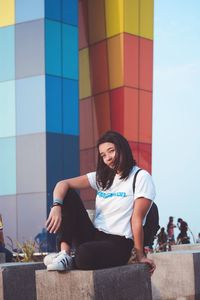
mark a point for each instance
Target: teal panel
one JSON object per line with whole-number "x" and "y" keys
{"x": 53, "y": 104}
{"x": 29, "y": 10}
{"x": 53, "y": 48}
{"x": 70, "y": 12}
{"x": 7, "y": 109}
{"x": 7, "y": 53}
{"x": 7, "y": 166}
{"x": 30, "y": 105}
{"x": 70, "y": 107}
{"x": 70, "y": 51}
{"x": 53, "y": 9}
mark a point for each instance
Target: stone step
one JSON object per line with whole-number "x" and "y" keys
{"x": 17, "y": 280}
{"x": 177, "y": 275}
{"x": 119, "y": 283}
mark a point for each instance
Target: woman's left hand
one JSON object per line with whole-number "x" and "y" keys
{"x": 149, "y": 262}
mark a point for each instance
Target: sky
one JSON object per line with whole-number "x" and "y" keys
{"x": 176, "y": 111}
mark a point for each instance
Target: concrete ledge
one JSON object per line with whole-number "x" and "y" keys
{"x": 17, "y": 281}
{"x": 119, "y": 283}
{"x": 177, "y": 275}
{"x": 186, "y": 247}
{"x": 2, "y": 258}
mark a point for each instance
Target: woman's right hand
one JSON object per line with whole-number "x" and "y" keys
{"x": 54, "y": 220}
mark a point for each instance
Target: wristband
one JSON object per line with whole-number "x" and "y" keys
{"x": 56, "y": 204}
{"x": 59, "y": 201}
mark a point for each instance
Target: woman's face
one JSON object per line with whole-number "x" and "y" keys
{"x": 108, "y": 153}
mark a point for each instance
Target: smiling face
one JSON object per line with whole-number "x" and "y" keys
{"x": 108, "y": 153}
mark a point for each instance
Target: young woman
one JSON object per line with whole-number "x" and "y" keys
{"x": 120, "y": 214}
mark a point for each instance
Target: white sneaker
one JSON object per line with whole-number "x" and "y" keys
{"x": 62, "y": 262}
{"x": 48, "y": 259}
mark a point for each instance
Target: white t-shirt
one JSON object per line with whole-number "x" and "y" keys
{"x": 114, "y": 206}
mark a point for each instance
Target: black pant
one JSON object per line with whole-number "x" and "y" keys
{"x": 94, "y": 249}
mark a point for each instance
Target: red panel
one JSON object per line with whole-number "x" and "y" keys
{"x": 117, "y": 109}
{"x": 86, "y": 124}
{"x": 87, "y": 164}
{"x": 83, "y": 24}
{"x": 145, "y": 117}
{"x": 131, "y": 126}
{"x": 135, "y": 150}
{"x": 146, "y": 64}
{"x": 131, "y": 60}
{"x": 101, "y": 109}
{"x": 145, "y": 156}
{"x": 99, "y": 68}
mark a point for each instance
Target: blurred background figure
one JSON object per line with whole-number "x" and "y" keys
{"x": 183, "y": 237}
{"x": 170, "y": 231}
{"x": 198, "y": 239}
{"x": 8, "y": 254}
{"x": 162, "y": 240}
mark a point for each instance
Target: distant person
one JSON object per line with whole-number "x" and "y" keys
{"x": 182, "y": 238}
{"x": 162, "y": 239}
{"x": 170, "y": 231}
{"x": 8, "y": 254}
{"x": 198, "y": 239}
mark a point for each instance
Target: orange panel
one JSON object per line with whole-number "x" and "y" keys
{"x": 145, "y": 117}
{"x": 116, "y": 61}
{"x": 131, "y": 126}
{"x": 117, "y": 109}
{"x": 145, "y": 156}
{"x": 96, "y": 20}
{"x": 99, "y": 68}
{"x": 83, "y": 24}
{"x": 131, "y": 60}
{"x": 86, "y": 124}
{"x": 146, "y": 64}
{"x": 101, "y": 114}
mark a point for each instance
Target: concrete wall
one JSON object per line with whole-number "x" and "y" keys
{"x": 177, "y": 275}
{"x": 186, "y": 247}
{"x": 17, "y": 281}
{"x": 119, "y": 283}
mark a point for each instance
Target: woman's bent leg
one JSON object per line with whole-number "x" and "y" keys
{"x": 76, "y": 225}
{"x": 103, "y": 254}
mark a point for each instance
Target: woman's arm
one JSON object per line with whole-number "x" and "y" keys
{"x": 55, "y": 217}
{"x": 141, "y": 206}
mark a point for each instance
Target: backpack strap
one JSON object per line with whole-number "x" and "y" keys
{"x": 134, "y": 180}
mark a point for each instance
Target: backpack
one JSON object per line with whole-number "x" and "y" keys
{"x": 152, "y": 220}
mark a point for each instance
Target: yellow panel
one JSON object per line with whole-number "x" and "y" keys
{"x": 146, "y": 18}
{"x": 114, "y": 17}
{"x": 84, "y": 74}
{"x": 131, "y": 16}
{"x": 7, "y": 12}
{"x": 116, "y": 61}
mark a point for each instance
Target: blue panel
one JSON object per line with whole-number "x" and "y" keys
{"x": 53, "y": 48}
{"x": 7, "y": 166}
{"x": 70, "y": 12}
{"x": 7, "y": 53}
{"x": 70, "y": 51}
{"x": 29, "y": 52}
{"x": 53, "y": 104}
{"x": 70, "y": 107}
{"x": 71, "y": 156}
{"x": 29, "y": 10}
{"x": 30, "y": 105}
{"x": 54, "y": 144}
{"x": 53, "y": 9}
{"x": 7, "y": 109}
